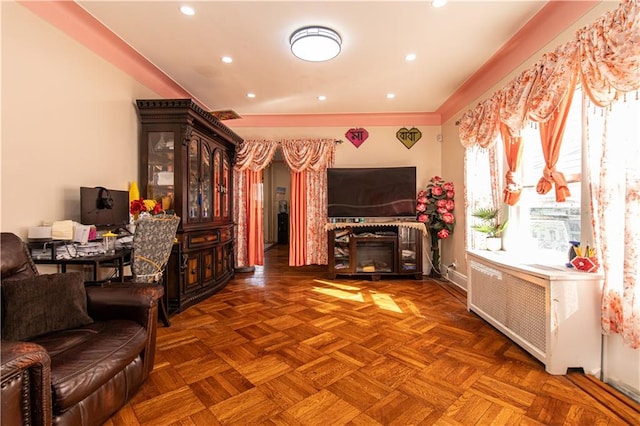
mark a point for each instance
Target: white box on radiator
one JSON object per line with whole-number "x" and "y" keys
{"x": 551, "y": 312}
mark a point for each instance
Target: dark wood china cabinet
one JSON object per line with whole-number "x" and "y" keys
{"x": 186, "y": 157}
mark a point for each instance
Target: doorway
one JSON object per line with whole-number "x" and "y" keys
{"x": 276, "y": 178}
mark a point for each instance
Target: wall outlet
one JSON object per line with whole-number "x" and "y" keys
{"x": 453, "y": 265}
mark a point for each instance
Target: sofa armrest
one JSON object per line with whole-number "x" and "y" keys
{"x": 130, "y": 301}
{"x": 26, "y": 383}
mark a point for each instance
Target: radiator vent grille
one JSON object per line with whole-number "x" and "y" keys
{"x": 489, "y": 291}
{"x": 517, "y": 304}
{"x": 527, "y": 313}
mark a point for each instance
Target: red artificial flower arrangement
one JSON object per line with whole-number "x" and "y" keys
{"x": 435, "y": 207}
{"x": 142, "y": 205}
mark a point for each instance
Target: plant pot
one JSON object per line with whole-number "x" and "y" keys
{"x": 494, "y": 243}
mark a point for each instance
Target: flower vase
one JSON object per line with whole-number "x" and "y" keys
{"x": 435, "y": 256}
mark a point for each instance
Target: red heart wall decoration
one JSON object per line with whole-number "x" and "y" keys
{"x": 409, "y": 137}
{"x": 357, "y": 136}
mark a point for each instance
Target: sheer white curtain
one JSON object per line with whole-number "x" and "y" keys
{"x": 613, "y": 149}
{"x": 482, "y": 187}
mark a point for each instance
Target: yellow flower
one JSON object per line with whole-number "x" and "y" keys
{"x": 150, "y": 204}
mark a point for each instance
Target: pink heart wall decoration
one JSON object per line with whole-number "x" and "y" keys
{"x": 357, "y": 136}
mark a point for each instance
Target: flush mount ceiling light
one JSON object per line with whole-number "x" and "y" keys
{"x": 315, "y": 44}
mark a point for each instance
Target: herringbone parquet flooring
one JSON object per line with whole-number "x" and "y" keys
{"x": 287, "y": 346}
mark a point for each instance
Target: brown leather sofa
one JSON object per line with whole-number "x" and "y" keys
{"x": 80, "y": 375}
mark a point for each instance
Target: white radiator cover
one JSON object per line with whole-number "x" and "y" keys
{"x": 552, "y": 312}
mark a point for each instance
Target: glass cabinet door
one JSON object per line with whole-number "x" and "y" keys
{"x": 226, "y": 176}
{"x": 342, "y": 250}
{"x": 193, "y": 189}
{"x": 205, "y": 182}
{"x": 160, "y": 177}
{"x": 216, "y": 182}
{"x": 409, "y": 250}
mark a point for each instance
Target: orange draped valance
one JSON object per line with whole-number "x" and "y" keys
{"x": 604, "y": 57}
{"x": 299, "y": 154}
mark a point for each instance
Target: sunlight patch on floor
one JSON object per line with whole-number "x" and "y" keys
{"x": 338, "y": 285}
{"x": 386, "y": 302}
{"x": 340, "y": 294}
{"x": 349, "y": 292}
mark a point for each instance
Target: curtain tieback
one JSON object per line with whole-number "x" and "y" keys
{"x": 512, "y": 189}
{"x": 551, "y": 177}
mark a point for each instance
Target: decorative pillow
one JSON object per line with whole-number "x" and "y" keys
{"x": 43, "y": 304}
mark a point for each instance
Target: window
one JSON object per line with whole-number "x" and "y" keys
{"x": 478, "y": 182}
{"x": 539, "y": 223}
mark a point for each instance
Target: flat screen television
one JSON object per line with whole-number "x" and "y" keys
{"x": 371, "y": 192}
{"x": 104, "y": 208}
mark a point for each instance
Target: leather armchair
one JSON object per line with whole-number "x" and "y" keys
{"x": 81, "y": 375}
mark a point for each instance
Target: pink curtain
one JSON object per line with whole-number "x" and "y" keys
{"x": 609, "y": 54}
{"x": 298, "y": 220}
{"x": 255, "y": 217}
{"x": 308, "y": 160}
{"x": 551, "y": 132}
{"x": 613, "y": 153}
{"x": 605, "y": 57}
{"x": 240, "y": 208}
{"x": 251, "y": 157}
{"x": 481, "y": 125}
{"x": 513, "y": 152}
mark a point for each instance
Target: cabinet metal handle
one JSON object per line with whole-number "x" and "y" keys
{"x": 193, "y": 271}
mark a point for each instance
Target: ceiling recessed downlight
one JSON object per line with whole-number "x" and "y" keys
{"x": 226, "y": 59}
{"x": 390, "y": 95}
{"x": 322, "y": 98}
{"x": 187, "y": 10}
{"x": 251, "y": 95}
{"x": 315, "y": 44}
{"x": 410, "y": 57}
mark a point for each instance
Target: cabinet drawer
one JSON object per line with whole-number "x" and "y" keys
{"x": 201, "y": 239}
{"x": 225, "y": 234}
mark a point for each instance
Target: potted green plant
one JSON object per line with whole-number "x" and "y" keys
{"x": 491, "y": 225}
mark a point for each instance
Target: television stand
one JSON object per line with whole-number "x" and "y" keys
{"x": 375, "y": 250}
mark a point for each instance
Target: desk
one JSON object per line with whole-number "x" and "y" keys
{"x": 117, "y": 260}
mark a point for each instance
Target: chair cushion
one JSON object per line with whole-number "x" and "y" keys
{"x": 85, "y": 358}
{"x": 43, "y": 304}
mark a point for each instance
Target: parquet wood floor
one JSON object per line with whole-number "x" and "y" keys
{"x": 287, "y": 346}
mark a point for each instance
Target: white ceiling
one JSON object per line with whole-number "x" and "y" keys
{"x": 451, "y": 43}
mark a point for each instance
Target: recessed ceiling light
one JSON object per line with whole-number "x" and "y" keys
{"x": 227, "y": 59}
{"x": 187, "y": 10}
{"x": 438, "y": 3}
{"x": 322, "y": 98}
{"x": 390, "y": 96}
{"x": 410, "y": 57}
{"x": 251, "y": 95}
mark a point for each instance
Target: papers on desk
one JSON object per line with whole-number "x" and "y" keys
{"x": 62, "y": 230}
{"x": 125, "y": 242}
{"x": 70, "y": 251}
